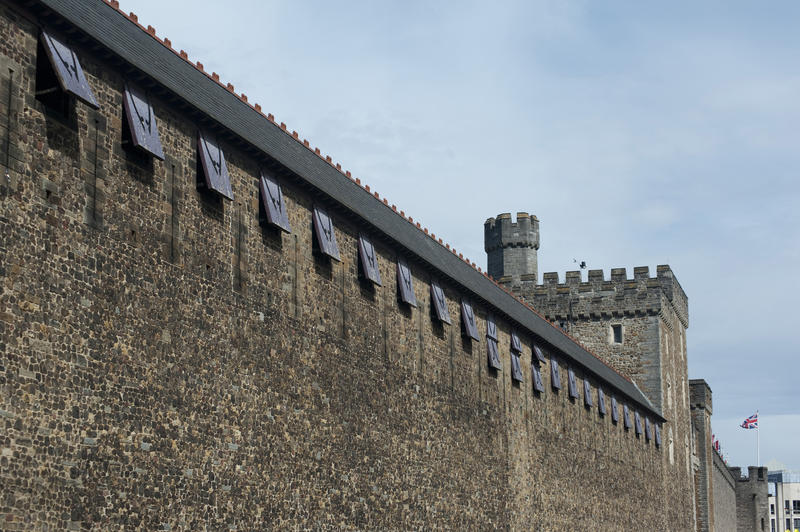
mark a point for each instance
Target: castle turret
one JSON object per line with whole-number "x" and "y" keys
{"x": 511, "y": 247}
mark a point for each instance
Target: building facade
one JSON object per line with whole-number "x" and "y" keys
{"x": 784, "y": 501}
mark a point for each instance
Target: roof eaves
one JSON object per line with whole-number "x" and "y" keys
{"x": 249, "y": 124}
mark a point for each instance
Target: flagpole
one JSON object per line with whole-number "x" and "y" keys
{"x": 758, "y": 442}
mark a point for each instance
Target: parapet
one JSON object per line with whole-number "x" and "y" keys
{"x": 757, "y": 474}
{"x": 700, "y": 395}
{"x": 599, "y": 297}
{"x": 754, "y": 474}
{"x": 501, "y": 232}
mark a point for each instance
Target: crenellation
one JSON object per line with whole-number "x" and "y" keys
{"x": 641, "y": 272}
{"x": 631, "y": 296}
{"x": 618, "y": 274}
{"x": 558, "y": 301}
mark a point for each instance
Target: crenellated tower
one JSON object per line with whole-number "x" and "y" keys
{"x": 511, "y": 247}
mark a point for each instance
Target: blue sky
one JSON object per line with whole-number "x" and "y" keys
{"x": 639, "y": 135}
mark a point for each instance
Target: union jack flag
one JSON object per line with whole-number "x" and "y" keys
{"x": 751, "y": 422}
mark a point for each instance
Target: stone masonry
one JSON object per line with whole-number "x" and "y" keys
{"x": 751, "y": 499}
{"x": 705, "y": 475}
{"x": 170, "y": 364}
{"x": 724, "y": 506}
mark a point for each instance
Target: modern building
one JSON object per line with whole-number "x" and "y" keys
{"x": 784, "y": 501}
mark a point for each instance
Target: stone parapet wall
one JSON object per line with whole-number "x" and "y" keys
{"x": 601, "y": 298}
{"x": 724, "y": 495}
{"x": 705, "y": 486}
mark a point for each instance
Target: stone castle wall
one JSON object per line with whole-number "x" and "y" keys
{"x": 169, "y": 364}
{"x": 700, "y": 397}
{"x": 724, "y": 495}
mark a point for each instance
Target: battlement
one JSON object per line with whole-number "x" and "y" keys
{"x": 619, "y": 294}
{"x": 511, "y": 246}
{"x": 617, "y": 275}
{"x": 754, "y": 474}
{"x": 700, "y": 395}
{"x": 503, "y": 232}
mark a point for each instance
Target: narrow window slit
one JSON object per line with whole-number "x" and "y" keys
{"x": 617, "y": 333}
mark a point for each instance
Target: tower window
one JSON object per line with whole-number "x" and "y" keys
{"x": 617, "y": 333}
